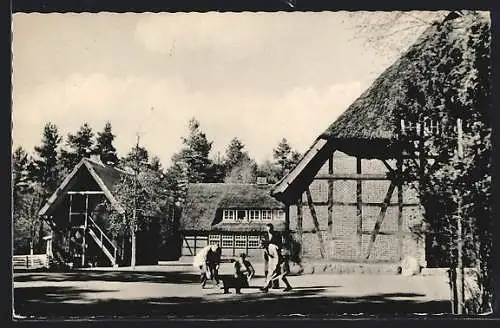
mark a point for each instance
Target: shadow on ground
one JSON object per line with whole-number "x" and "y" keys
{"x": 64, "y": 302}
{"x": 110, "y": 276}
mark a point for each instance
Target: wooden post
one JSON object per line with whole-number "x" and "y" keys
{"x": 246, "y": 243}
{"x": 359, "y": 208}
{"x": 234, "y": 243}
{"x": 31, "y": 255}
{"x": 69, "y": 223}
{"x": 195, "y": 243}
{"x": 287, "y": 227}
{"x": 399, "y": 177}
{"x": 85, "y": 228}
{"x": 330, "y": 198}
{"x": 380, "y": 217}
{"x": 316, "y": 223}
{"x": 299, "y": 224}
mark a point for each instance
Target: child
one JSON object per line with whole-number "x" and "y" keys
{"x": 243, "y": 272}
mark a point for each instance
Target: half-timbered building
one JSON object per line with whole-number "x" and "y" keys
{"x": 364, "y": 210}
{"x": 231, "y": 215}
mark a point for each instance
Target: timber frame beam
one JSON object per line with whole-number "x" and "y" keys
{"x": 316, "y": 223}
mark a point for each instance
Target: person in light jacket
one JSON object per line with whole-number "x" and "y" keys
{"x": 207, "y": 260}
{"x": 274, "y": 267}
{"x": 272, "y": 237}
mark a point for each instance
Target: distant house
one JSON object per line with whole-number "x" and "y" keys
{"x": 80, "y": 227}
{"x": 232, "y": 215}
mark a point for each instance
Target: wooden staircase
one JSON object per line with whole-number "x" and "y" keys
{"x": 84, "y": 226}
{"x": 103, "y": 241}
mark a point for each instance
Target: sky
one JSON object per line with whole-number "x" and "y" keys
{"x": 260, "y": 77}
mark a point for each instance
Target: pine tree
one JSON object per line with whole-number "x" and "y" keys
{"x": 27, "y": 228}
{"x": 104, "y": 147}
{"x": 286, "y": 158}
{"x": 19, "y": 174}
{"x": 44, "y": 168}
{"x": 155, "y": 164}
{"x": 80, "y": 145}
{"x": 137, "y": 154}
{"x": 238, "y": 166}
{"x": 245, "y": 171}
{"x": 195, "y": 154}
{"x": 235, "y": 154}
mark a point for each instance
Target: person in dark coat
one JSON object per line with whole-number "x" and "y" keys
{"x": 243, "y": 272}
{"x": 213, "y": 262}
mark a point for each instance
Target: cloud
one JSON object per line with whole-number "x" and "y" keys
{"x": 163, "y": 32}
{"x": 260, "y": 120}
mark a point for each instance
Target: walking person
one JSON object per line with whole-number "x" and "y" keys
{"x": 285, "y": 256}
{"x": 273, "y": 237}
{"x": 274, "y": 267}
{"x": 213, "y": 262}
{"x": 208, "y": 261}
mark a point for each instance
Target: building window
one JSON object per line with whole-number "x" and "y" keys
{"x": 229, "y": 215}
{"x": 267, "y": 215}
{"x": 240, "y": 241}
{"x": 214, "y": 239}
{"x": 227, "y": 241}
{"x": 253, "y": 242}
{"x": 254, "y": 215}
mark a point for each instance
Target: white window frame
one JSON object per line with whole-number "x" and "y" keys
{"x": 229, "y": 215}
{"x": 214, "y": 239}
{"x": 240, "y": 238}
{"x": 253, "y": 242}
{"x": 254, "y": 215}
{"x": 267, "y": 215}
{"x": 227, "y": 238}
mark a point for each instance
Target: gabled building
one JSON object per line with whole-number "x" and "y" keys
{"x": 77, "y": 215}
{"x": 365, "y": 212}
{"x": 231, "y": 215}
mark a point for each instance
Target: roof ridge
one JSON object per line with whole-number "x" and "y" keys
{"x": 88, "y": 159}
{"x": 101, "y": 164}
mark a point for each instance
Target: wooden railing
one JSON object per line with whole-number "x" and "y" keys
{"x": 103, "y": 241}
{"x": 30, "y": 261}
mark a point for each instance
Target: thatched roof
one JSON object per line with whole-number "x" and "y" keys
{"x": 205, "y": 201}
{"x": 369, "y": 127}
{"x": 106, "y": 177}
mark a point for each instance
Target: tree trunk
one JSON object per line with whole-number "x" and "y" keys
{"x": 133, "y": 245}
{"x": 460, "y": 268}
{"x": 40, "y": 237}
